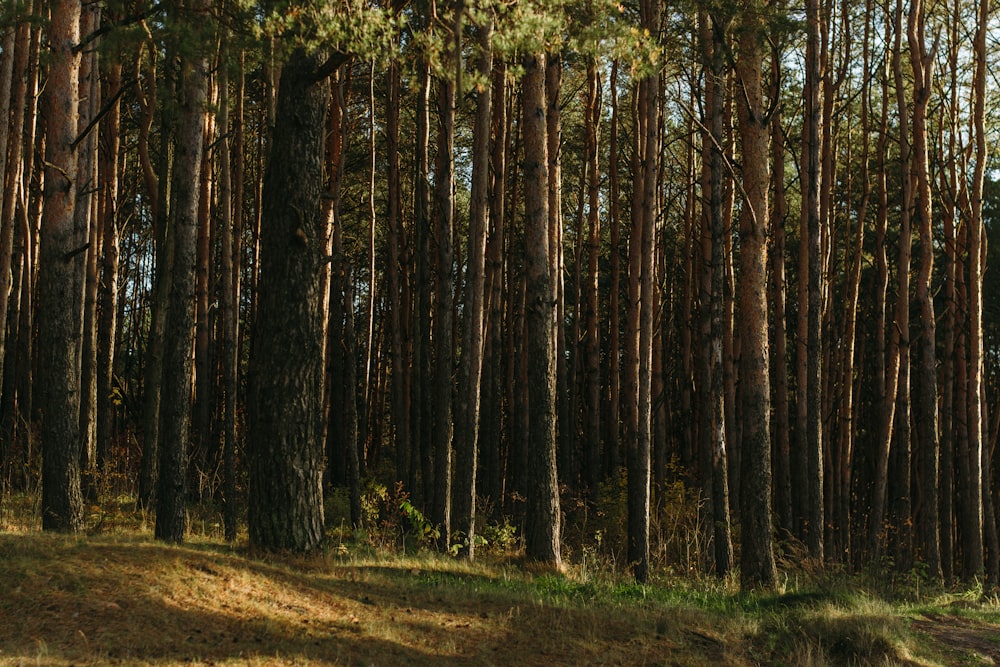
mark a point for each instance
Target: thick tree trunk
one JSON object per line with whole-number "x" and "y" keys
{"x": 59, "y": 302}
{"x": 286, "y": 390}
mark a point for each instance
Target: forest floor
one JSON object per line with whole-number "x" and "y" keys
{"x": 123, "y": 598}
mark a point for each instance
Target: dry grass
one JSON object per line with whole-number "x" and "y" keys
{"x": 122, "y": 598}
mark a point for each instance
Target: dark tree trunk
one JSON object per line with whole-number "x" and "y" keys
{"x": 286, "y": 390}
{"x": 175, "y": 408}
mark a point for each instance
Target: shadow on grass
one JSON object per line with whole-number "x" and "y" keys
{"x": 67, "y": 600}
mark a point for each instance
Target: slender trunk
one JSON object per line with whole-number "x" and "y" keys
{"x": 88, "y": 235}
{"x": 444, "y": 176}
{"x": 163, "y": 249}
{"x": 229, "y": 316}
{"x": 926, "y": 405}
{"x": 813, "y": 304}
{"x": 612, "y": 456}
{"x": 712, "y": 427}
{"x": 396, "y": 265}
{"x": 640, "y": 468}
{"x": 543, "y": 514}
{"x": 973, "y": 526}
{"x": 175, "y": 413}
{"x": 470, "y": 373}
{"x": 781, "y": 449}
{"x": 899, "y": 344}
{"x": 108, "y": 296}
{"x": 592, "y": 363}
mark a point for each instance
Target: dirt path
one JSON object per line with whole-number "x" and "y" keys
{"x": 967, "y": 639}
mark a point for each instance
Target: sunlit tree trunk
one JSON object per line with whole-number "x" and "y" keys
{"x": 974, "y": 522}
{"x": 925, "y": 410}
{"x": 543, "y": 513}
{"x": 58, "y": 326}
{"x": 757, "y": 555}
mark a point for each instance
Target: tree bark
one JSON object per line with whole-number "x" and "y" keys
{"x": 59, "y": 280}
{"x": 543, "y": 513}
{"x": 757, "y": 555}
{"x": 175, "y": 408}
{"x": 470, "y": 372}
{"x": 286, "y": 390}
{"x": 926, "y": 407}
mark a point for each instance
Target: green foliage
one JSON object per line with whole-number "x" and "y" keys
{"x": 354, "y": 27}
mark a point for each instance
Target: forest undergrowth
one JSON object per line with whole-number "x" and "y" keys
{"x": 381, "y": 596}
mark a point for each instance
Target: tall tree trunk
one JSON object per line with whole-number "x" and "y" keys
{"x": 886, "y": 364}
{"x": 899, "y": 344}
{"x": 444, "y": 363}
{"x": 757, "y": 554}
{"x": 543, "y": 513}
{"x": 781, "y": 428}
{"x": 640, "y": 466}
{"x": 58, "y": 330}
{"x": 175, "y": 412}
{"x": 286, "y": 391}
{"x": 422, "y": 354}
{"x": 926, "y": 407}
{"x": 158, "y": 183}
{"x": 88, "y": 235}
{"x": 396, "y": 266}
{"x": 712, "y": 394}
{"x": 974, "y": 520}
{"x": 592, "y": 353}
{"x": 612, "y": 456}
{"x": 228, "y": 350}
{"x": 470, "y": 373}
{"x": 812, "y": 173}
{"x": 110, "y": 167}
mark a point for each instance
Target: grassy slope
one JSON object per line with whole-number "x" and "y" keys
{"x": 125, "y": 599}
